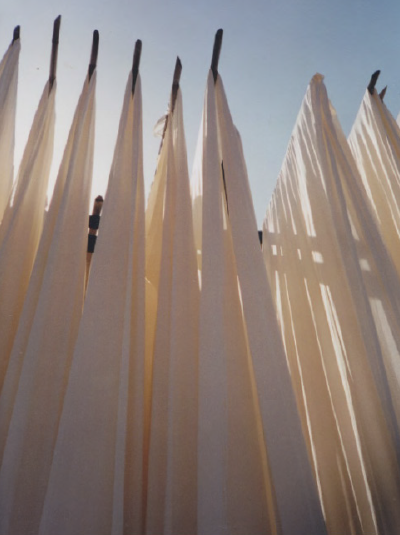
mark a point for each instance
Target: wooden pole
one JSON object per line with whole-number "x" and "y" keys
{"x": 94, "y": 54}
{"x": 54, "y": 52}
{"x": 16, "y": 34}
{"x": 216, "y": 53}
{"x": 372, "y": 83}
{"x": 136, "y": 63}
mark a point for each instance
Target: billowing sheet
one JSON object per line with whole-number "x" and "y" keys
{"x": 8, "y": 106}
{"x": 172, "y": 477}
{"x": 96, "y": 478}
{"x": 22, "y": 223}
{"x": 316, "y": 225}
{"x": 32, "y": 398}
{"x": 249, "y": 432}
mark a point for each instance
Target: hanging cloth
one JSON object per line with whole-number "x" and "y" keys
{"x": 35, "y": 384}
{"x": 330, "y": 334}
{"x": 8, "y": 107}
{"x": 172, "y": 479}
{"x": 22, "y": 223}
{"x": 95, "y": 484}
{"x": 286, "y": 450}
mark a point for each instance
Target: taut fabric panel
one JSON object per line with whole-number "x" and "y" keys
{"x": 172, "y": 487}
{"x": 22, "y": 223}
{"x": 326, "y": 319}
{"x": 297, "y": 499}
{"x": 8, "y": 106}
{"x": 96, "y": 480}
{"x": 234, "y": 489}
{"x": 39, "y": 371}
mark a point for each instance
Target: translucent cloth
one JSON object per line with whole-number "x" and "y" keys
{"x": 95, "y": 483}
{"x": 22, "y": 223}
{"x": 172, "y": 474}
{"x": 375, "y": 144}
{"x": 34, "y": 387}
{"x": 250, "y": 437}
{"x": 317, "y": 224}
{"x": 8, "y": 106}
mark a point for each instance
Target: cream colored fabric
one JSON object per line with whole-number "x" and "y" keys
{"x": 330, "y": 336}
{"x": 248, "y": 424}
{"x": 8, "y": 106}
{"x": 35, "y": 384}
{"x": 95, "y": 484}
{"x": 172, "y": 479}
{"x": 297, "y": 500}
{"x": 22, "y": 223}
{"x": 375, "y": 144}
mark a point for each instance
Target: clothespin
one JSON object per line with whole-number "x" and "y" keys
{"x": 136, "y": 62}
{"x": 94, "y": 53}
{"x": 54, "y": 52}
{"x": 372, "y": 83}
{"x": 216, "y": 53}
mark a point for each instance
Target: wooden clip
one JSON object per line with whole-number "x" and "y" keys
{"x": 372, "y": 83}
{"x": 16, "y": 33}
{"x": 216, "y": 53}
{"x": 54, "y": 52}
{"x": 93, "y": 55}
{"x": 136, "y": 62}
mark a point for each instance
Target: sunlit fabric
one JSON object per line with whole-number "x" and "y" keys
{"x": 95, "y": 484}
{"x": 172, "y": 473}
{"x": 8, "y": 106}
{"x": 22, "y": 223}
{"x": 249, "y": 435}
{"x": 317, "y": 225}
{"x": 35, "y": 383}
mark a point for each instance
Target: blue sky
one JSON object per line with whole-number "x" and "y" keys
{"x": 270, "y": 51}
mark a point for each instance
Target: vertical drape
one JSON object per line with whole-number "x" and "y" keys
{"x": 95, "y": 483}
{"x": 22, "y": 223}
{"x": 317, "y": 214}
{"x": 172, "y": 487}
{"x": 48, "y": 329}
{"x": 8, "y": 106}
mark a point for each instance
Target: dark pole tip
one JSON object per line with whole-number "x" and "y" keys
{"x": 94, "y": 53}
{"x": 383, "y": 93}
{"x": 216, "y": 53}
{"x": 54, "y": 51}
{"x": 136, "y": 63}
{"x": 175, "y": 82}
{"x": 16, "y": 33}
{"x": 372, "y": 83}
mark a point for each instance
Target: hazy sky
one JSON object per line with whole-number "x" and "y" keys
{"x": 270, "y": 51}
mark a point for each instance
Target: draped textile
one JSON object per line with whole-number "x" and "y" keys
{"x": 317, "y": 213}
{"x": 8, "y": 107}
{"x": 22, "y": 223}
{"x": 32, "y": 398}
{"x": 375, "y": 144}
{"x": 95, "y": 484}
{"x": 172, "y": 486}
{"x": 249, "y": 432}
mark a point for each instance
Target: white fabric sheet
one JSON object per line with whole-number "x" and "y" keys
{"x": 34, "y": 389}
{"x": 248, "y": 423}
{"x": 335, "y": 357}
{"x": 8, "y": 106}
{"x": 22, "y": 223}
{"x": 172, "y": 480}
{"x": 95, "y": 484}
